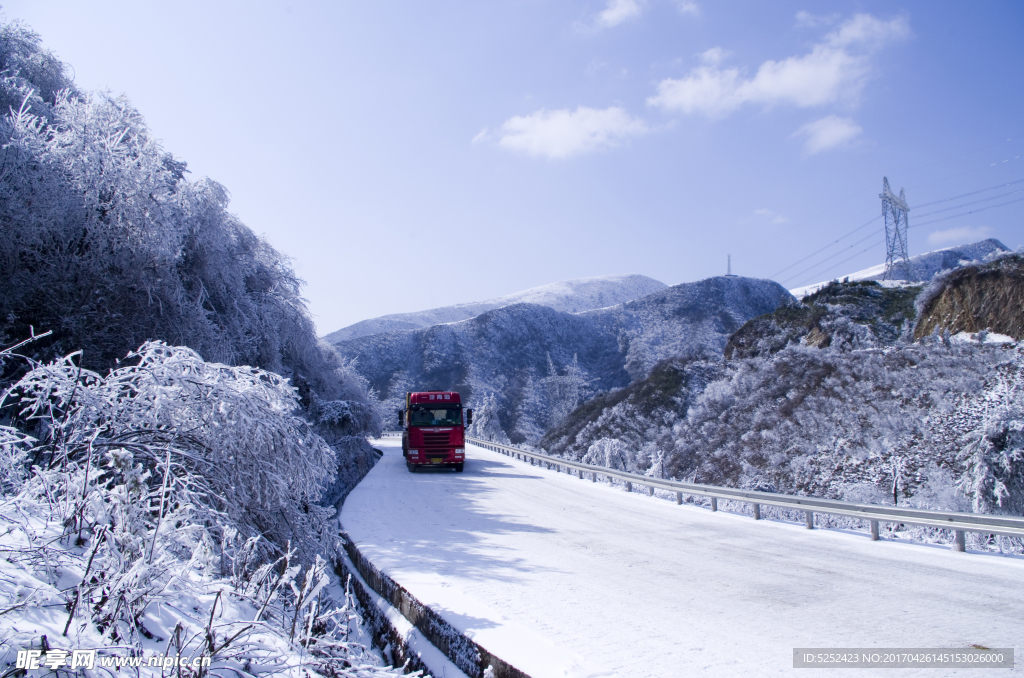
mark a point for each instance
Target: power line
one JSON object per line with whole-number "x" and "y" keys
{"x": 980, "y": 209}
{"x": 874, "y": 244}
{"x": 840, "y": 252}
{"x": 964, "y": 195}
{"x": 843, "y": 237}
{"x": 1015, "y": 137}
{"x": 966, "y": 204}
{"x": 935, "y": 202}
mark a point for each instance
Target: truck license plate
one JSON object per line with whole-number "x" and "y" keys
{"x": 436, "y": 460}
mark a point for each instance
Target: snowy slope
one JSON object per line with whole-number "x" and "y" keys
{"x": 506, "y": 351}
{"x": 687, "y": 319}
{"x": 924, "y": 265}
{"x": 570, "y": 296}
{"x": 638, "y": 586}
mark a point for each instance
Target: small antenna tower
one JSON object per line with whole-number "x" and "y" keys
{"x": 897, "y": 255}
{"x": 728, "y": 265}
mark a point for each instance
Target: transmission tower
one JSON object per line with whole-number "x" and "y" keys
{"x": 897, "y": 255}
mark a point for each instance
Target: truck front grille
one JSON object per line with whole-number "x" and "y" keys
{"x": 437, "y": 439}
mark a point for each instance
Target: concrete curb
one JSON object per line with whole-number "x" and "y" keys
{"x": 393, "y": 640}
{"x": 463, "y": 652}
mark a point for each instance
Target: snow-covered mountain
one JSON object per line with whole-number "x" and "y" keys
{"x": 571, "y": 296}
{"x": 539, "y": 363}
{"x": 834, "y": 397}
{"x": 924, "y": 266}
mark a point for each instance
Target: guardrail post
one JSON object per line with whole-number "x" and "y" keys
{"x": 650, "y": 490}
{"x": 959, "y": 542}
{"x": 679, "y": 497}
{"x": 714, "y": 503}
{"x": 757, "y": 512}
{"x": 874, "y": 530}
{"x": 629, "y": 486}
{"x": 809, "y": 515}
{"x": 593, "y": 477}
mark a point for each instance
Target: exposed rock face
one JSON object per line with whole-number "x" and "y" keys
{"x": 976, "y": 298}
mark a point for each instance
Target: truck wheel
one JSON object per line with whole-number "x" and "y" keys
{"x": 411, "y": 467}
{"x": 458, "y": 468}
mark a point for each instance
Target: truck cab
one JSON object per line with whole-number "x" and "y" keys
{"x": 433, "y": 430}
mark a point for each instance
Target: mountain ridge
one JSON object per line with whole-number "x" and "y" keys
{"x": 539, "y": 363}
{"x": 571, "y": 296}
{"x": 924, "y": 266}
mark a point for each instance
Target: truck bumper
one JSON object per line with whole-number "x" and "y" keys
{"x": 445, "y": 457}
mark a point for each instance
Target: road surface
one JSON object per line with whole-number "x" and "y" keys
{"x": 564, "y": 577}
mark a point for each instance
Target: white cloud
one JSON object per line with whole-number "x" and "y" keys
{"x": 686, "y": 7}
{"x": 827, "y": 133}
{"x": 958, "y": 236}
{"x": 713, "y": 56}
{"x": 481, "y": 136}
{"x": 564, "y": 133}
{"x": 808, "y": 20}
{"x": 617, "y": 11}
{"x": 835, "y": 69}
{"x": 773, "y": 216}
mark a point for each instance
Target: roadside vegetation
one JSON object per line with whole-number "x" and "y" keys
{"x": 173, "y": 435}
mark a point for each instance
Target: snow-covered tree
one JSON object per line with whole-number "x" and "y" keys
{"x": 104, "y": 241}
{"x": 486, "y": 424}
{"x": 153, "y": 492}
{"x": 230, "y": 432}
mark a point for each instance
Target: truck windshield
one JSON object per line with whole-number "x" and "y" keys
{"x": 443, "y": 416}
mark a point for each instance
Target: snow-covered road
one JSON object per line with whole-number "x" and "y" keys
{"x": 543, "y": 569}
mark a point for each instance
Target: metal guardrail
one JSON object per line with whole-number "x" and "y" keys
{"x": 874, "y": 514}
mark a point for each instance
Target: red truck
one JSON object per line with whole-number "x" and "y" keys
{"x": 433, "y": 433}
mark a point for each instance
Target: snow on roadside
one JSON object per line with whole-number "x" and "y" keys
{"x": 40, "y": 568}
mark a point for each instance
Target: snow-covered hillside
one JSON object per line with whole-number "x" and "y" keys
{"x": 570, "y": 296}
{"x": 833, "y": 398}
{"x": 540, "y": 363}
{"x": 924, "y": 265}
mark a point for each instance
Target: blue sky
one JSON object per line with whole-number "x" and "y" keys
{"x": 409, "y": 155}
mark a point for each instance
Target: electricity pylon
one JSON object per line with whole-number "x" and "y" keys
{"x": 897, "y": 255}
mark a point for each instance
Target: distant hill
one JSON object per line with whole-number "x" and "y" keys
{"x": 540, "y": 363}
{"x": 570, "y": 296}
{"x": 924, "y": 266}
